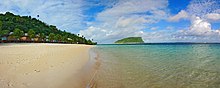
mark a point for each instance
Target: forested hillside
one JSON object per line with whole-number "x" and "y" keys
{"x": 26, "y": 24}
{"x": 130, "y": 40}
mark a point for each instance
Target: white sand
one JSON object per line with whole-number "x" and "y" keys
{"x": 42, "y": 65}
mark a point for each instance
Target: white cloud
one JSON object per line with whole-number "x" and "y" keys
{"x": 199, "y": 31}
{"x": 202, "y": 7}
{"x": 127, "y": 18}
{"x": 213, "y": 16}
{"x": 169, "y": 28}
{"x": 200, "y": 13}
{"x": 123, "y": 18}
{"x": 131, "y": 18}
{"x": 195, "y": 36}
{"x": 181, "y": 15}
{"x": 65, "y": 14}
{"x": 200, "y": 26}
{"x": 154, "y": 28}
{"x": 94, "y": 32}
{"x": 131, "y": 7}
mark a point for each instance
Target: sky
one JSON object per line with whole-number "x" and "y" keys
{"x": 106, "y": 21}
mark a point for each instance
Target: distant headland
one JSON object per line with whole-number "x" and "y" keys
{"x": 130, "y": 40}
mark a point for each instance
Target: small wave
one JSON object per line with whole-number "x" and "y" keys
{"x": 95, "y": 63}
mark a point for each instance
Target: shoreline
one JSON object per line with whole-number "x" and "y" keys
{"x": 43, "y": 65}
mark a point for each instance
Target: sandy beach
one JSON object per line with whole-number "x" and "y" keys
{"x": 43, "y": 65}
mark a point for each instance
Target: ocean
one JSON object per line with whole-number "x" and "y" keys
{"x": 157, "y": 66}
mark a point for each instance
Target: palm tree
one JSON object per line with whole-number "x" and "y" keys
{"x": 58, "y": 37}
{"x": 31, "y": 34}
{"x": 64, "y": 38}
{"x": 42, "y": 36}
{"x": 51, "y": 36}
{"x": 17, "y": 33}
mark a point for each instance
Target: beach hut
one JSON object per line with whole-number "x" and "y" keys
{"x": 10, "y": 37}
{"x": 25, "y": 37}
{"x": 4, "y": 38}
{"x": 37, "y": 38}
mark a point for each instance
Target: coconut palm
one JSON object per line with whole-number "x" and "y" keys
{"x": 17, "y": 33}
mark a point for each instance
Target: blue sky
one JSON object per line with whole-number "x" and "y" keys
{"x": 106, "y": 21}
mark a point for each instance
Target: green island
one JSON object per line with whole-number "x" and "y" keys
{"x": 130, "y": 40}
{"x": 25, "y": 29}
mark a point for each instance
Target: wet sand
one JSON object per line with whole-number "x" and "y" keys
{"x": 43, "y": 65}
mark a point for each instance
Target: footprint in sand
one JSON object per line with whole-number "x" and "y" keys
{"x": 9, "y": 84}
{"x": 26, "y": 73}
{"x": 25, "y": 84}
{"x": 37, "y": 70}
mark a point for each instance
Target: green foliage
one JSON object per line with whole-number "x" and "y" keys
{"x": 33, "y": 26}
{"x": 17, "y": 33}
{"x": 1, "y": 25}
{"x": 64, "y": 38}
{"x": 51, "y": 36}
{"x": 42, "y": 36}
{"x": 130, "y": 40}
{"x": 4, "y": 32}
{"x": 31, "y": 33}
{"x": 58, "y": 37}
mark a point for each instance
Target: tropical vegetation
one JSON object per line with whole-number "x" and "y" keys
{"x": 19, "y": 25}
{"x": 130, "y": 40}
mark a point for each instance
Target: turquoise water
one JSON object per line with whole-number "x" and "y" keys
{"x": 158, "y": 66}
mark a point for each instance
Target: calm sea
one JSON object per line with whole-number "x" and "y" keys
{"x": 157, "y": 66}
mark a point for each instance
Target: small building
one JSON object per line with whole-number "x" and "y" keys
{"x": 47, "y": 39}
{"x": 25, "y": 37}
{"x": 11, "y": 38}
{"x": 25, "y": 34}
{"x": 36, "y": 39}
{"x": 54, "y": 40}
{"x": 69, "y": 39}
{"x": 4, "y": 38}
